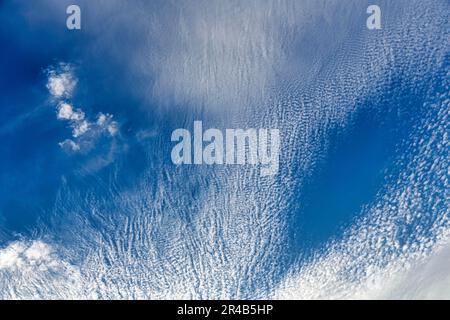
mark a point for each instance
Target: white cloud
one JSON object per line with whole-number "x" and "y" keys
{"x": 66, "y": 112}
{"x": 400, "y": 248}
{"x": 26, "y": 256}
{"x": 32, "y": 269}
{"x": 113, "y": 128}
{"x": 101, "y": 119}
{"x": 80, "y": 128}
{"x": 105, "y": 122}
{"x": 61, "y": 84}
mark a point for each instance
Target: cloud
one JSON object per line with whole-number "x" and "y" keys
{"x": 113, "y": 128}
{"x": 101, "y": 119}
{"x": 400, "y": 247}
{"x": 81, "y": 128}
{"x": 70, "y": 145}
{"x": 66, "y": 112}
{"x": 61, "y": 84}
{"x": 106, "y": 122}
{"x": 225, "y": 57}
{"x": 26, "y": 256}
{"x": 32, "y": 269}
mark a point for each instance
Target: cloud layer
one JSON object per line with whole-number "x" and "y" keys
{"x": 223, "y": 234}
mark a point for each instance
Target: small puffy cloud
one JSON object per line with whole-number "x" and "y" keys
{"x": 105, "y": 122}
{"x": 61, "y": 83}
{"x": 101, "y": 119}
{"x": 66, "y": 112}
{"x": 80, "y": 128}
{"x": 113, "y": 128}
{"x": 76, "y": 117}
